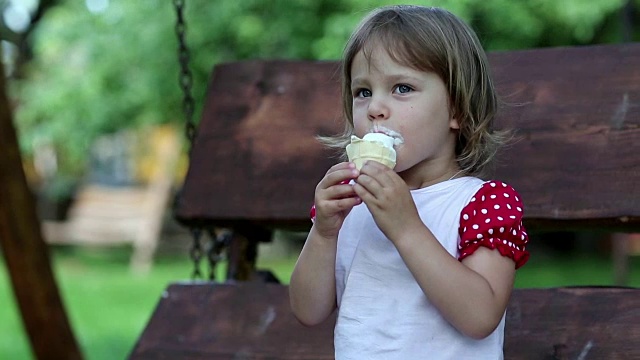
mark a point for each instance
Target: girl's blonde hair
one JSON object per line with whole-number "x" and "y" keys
{"x": 433, "y": 39}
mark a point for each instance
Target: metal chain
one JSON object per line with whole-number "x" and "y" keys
{"x": 186, "y": 82}
{"x": 215, "y": 252}
{"x": 186, "y": 78}
{"x": 196, "y": 253}
{"x": 217, "y": 244}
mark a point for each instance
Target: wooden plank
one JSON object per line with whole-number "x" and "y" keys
{"x": 261, "y": 141}
{"x": 577, "y": 110}
{"x": 26, "y": 254}
{"x": 579, "y": 126}
{"x": 254, "y": 321}
{"x": 573, "y": 323}
{"x": 241, "y": 321}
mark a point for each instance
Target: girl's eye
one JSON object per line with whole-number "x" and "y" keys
{"x": 363, "y": 93}
{"x": 403, "y": 89}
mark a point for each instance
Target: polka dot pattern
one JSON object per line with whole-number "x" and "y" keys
{"x": 493, "y": 219}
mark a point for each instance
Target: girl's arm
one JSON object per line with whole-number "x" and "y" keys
{"x": 312, "y": 290}
{"x": 471, "y": 295}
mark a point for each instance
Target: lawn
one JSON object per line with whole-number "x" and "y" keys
{"x": 109, "y": 306}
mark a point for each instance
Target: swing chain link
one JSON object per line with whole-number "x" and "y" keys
{"x": 215, "y": 252}
{"x": 186, "y": 78}
{"x": 218, "y": 243}
{"x": 196, "y": 253}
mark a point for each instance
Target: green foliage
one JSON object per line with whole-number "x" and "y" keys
{"x": 97, "y": 73}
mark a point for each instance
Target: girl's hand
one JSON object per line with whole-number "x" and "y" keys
{"x": 388, "y": 198}
{"x": 334, "y": 199}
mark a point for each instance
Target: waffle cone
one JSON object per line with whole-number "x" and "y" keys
{"x": 360, "y": 152}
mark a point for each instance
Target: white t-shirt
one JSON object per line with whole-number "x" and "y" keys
{"x": 382, "y": 312}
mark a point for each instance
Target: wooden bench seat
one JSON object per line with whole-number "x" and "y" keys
{"x": 255, "y": 165}
{"x": 253, "y": 321}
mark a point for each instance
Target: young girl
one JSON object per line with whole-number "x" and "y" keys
{"x": 425, "y": 268}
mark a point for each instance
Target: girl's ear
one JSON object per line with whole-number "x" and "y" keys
{"x": 453, "y": 123}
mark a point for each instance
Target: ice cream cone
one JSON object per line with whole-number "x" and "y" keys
{"x": 373, "y": 146}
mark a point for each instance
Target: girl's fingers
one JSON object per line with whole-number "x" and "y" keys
{"x": 340, "y": 173}
{"x": 372, "y": 176}
{"x": 339, "y": 205}
{"x": 378, "y": 171}
{"x": 334, "y": 187}
{"x": 342, "y": 165}
{"x": 368, "y": 183}
{"x": 374, "y": 181}
{"x": 363, "y": 193}
{"x": 329, "y": 208}
{"x": 342, "y": 191}
{"x": 336, "y": 192}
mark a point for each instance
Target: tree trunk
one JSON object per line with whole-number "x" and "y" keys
{"x": 26, "y": 253}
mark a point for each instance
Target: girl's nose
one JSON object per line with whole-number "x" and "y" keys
{"x": 377, "y": 110}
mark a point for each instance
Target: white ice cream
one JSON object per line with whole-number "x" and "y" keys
{"x": 385, "y": 139}
{"x": 397, "y": 138}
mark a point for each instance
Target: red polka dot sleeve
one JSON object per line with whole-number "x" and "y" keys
{"x": 493, "y": 219}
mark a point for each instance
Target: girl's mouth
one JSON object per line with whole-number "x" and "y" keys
{"x": 397, "y": 138}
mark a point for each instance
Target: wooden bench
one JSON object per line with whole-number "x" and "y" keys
{"x": 255, "y": 165}
{"x": 102, "y": 215}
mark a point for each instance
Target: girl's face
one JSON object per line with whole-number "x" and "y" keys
{"x": 396, "y": 99}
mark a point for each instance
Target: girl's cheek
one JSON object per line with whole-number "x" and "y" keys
{"x": 360, "y": 127}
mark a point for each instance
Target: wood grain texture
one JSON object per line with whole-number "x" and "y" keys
{"x": 254, "y": 321}
{"x": 573, "y": 323}
{"x": 577, "y": 116}
{"x": 575, "y": 162}
{"x": 241, "y": 321}
{"x": 255, "y": 157}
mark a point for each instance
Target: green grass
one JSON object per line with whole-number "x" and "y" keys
{"x": 575, "y": 270}
{"x": 109, "y": 306}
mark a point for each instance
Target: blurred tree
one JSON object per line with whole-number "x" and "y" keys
{"x": 19, "y": 19}
{"x": 104, "y": 65}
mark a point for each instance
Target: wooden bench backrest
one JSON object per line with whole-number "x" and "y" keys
{"x": 576, "y": 163}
